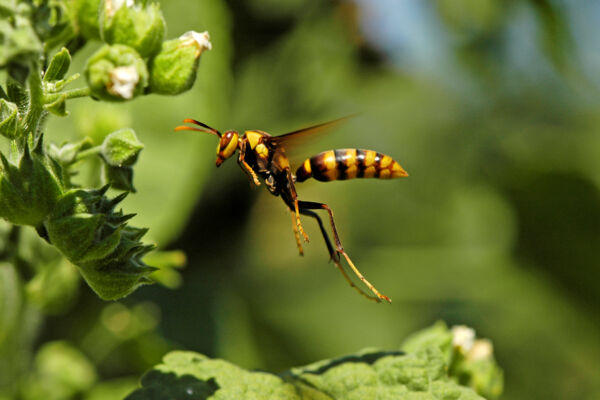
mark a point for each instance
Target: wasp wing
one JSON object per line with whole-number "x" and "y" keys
{"x": 288, "y": 143}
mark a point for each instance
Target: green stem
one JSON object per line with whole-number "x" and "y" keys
{"x": 71, "y": 94}
{"x": 89, "y": 152}
{"x": 35, "y": 110}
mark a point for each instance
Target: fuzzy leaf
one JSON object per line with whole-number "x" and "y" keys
{"x": 86, "y": 229}
{"x": 59, "y": 65}
{"x": 8, "y": 119}
{"x": 371, "y": 374}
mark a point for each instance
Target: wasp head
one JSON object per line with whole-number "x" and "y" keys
{"x": 228, "y": 141}
{"x": 227, "y": 146}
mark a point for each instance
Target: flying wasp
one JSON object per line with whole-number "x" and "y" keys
{"x": 263, "y": 156}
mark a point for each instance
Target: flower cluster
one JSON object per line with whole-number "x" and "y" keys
{"x": 135, "y": 60}
{"x": 36, "y": 187}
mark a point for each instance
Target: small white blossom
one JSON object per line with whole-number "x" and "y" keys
{"x": 199, "y": 39}
{"x": 463, "y": 337}
{"x": 482, "y": 350}
{"x": 122, "y": 81}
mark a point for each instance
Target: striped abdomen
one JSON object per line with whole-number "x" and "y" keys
{"x": 348, "y": 164}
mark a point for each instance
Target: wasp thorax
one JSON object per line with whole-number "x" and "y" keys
{"x": 227, "y": 146}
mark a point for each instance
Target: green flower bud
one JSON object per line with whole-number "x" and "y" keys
{"x": 116, "y": 73}
{"x": 140, "y": 25}
{"x": 85, "y": 227}
{"x": 173, "y": 70}
{"x": 30, "y": 190}
{"x": 86, "y": 18}
{"x": 120, "y": 178}
{"x": 8, "y": 119}
{"x": 67, "y": 153}
{"x": 121, "y": 148}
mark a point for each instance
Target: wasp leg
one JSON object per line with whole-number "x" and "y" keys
{"x": 309, "y": 205}
{"x": 247, "y": 169}
{"x": 294, "y": 199}
{"x": 335, "y": 256}
{"x": 296, "y": 235}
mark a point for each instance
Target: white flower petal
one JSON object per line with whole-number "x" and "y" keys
{"x": 200, "y": 39}
{"x": 123, "y": 81}
{"x": 463, "y": 337}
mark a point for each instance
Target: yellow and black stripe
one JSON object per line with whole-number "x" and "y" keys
{"x": 344, "y": 164}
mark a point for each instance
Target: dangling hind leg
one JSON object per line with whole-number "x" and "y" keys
{"x": 305, "y": 207}
{"x": 334, "y": 255}
{"x": 296, "y": 233}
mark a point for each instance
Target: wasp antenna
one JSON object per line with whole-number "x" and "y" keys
{"x": 211, "y": 130}
{"x": 191, "y": 128}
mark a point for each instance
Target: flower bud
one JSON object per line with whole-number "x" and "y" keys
{"x": 120, "y": 178}
{"x": 67, "y": 153}
{"x": 140, "y": 25}
{"x": 8, "y": 119}
{"x": 173, "y": 70}
{"x": 85, "y": 227}
{"x": 86, "y": 16}
{"x": 30, "y": 190}
{"x": 121, "y": 148}
{"x": 116, "y": 73}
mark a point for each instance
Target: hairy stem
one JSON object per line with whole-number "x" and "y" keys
{"x": 35, "y": 111}
{"x": 89, "y": 152}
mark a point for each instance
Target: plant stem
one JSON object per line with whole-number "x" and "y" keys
{"x": 35, "y": 110}
{"x": 71, "y": 94}
{"x": 89, "y": 152}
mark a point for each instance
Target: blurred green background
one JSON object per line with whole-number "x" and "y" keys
{"x": 491, "y": 106}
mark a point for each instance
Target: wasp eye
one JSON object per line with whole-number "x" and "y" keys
{"x": 227, "y": 145}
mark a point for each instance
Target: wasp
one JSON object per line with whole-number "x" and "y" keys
{"x": 263, "y": 158}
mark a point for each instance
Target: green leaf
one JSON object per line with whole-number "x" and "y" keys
{"x": 370, "y": 374}
{"x": 59, "y": 65}
{"x": 58, "y": 107}
{"x": 8, "y": 119}
{"x": 29, "y": 191}
{"x": 470, "y": 361}
{"x": 86, "y": 229}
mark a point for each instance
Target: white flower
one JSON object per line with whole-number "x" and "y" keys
{"x": 199, "y": 39}
{"x": 482, "y": 350}
{"x": 463, "y": 337}
{"x": 122, "y": 81}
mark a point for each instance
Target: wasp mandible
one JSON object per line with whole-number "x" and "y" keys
{"x": 263, "y": 156}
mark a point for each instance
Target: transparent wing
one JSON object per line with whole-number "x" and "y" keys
{"x": 288, "y": 143}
